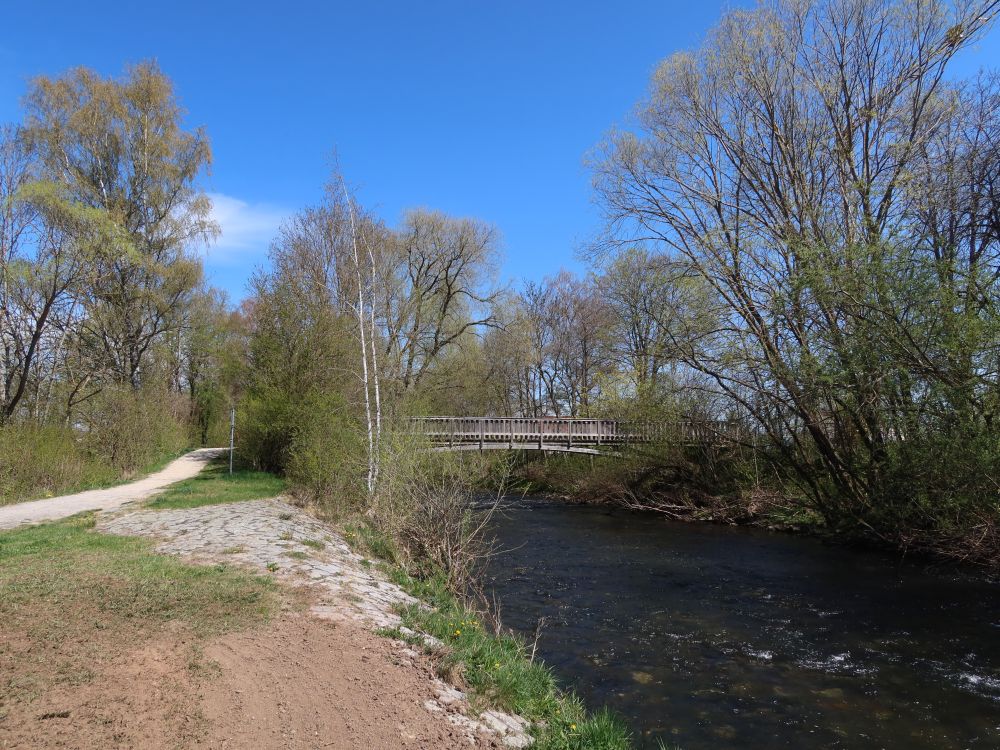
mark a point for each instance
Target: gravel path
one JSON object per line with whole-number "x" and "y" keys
{"x": 53, "y": 508}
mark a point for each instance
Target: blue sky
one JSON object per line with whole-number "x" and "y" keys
{"x": 474, "y": 108}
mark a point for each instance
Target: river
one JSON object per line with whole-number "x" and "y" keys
{"x": 704, "y": 636}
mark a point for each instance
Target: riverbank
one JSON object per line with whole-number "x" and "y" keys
{"x": 217, "y": 624}
{"x": 482, "y": 659}
{"x": 686, "y": 495}
{"x": 316, "y": 596}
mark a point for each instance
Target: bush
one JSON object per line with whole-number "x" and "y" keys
{"x": 134, "y": 430}
{"x": 39, "y": 461}
{"x": 326, "y": 463}
{"x": 307, "y": 440}
{"x": 423, "y": 503}
{"x": 120, "y": 434}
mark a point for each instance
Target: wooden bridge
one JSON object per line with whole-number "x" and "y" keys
{"x": 563, "y": 434}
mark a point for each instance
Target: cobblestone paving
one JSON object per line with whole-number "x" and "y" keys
{"x": 271, "y": 535}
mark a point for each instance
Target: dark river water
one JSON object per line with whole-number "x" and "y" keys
{"x": 716, "y": 637}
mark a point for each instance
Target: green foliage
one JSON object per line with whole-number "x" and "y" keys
{"x": 134, "y": 429}
{"x": 123, "y": 433}
{"x": 296, "y": 417}
{"x": 41, "y": 461}
{"x": 216, "y": 485}
{"x": 501, "y": 673}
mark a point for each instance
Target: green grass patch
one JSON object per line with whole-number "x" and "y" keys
{"x": 216, "y": 485}
{"x": 500, "y": 673}
{"x": 363, "y": 537}
{"x": 69, "y": 566}
{"x": 70, "y": 598}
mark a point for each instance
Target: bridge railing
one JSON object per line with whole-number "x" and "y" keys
{"x": 566, "y": 431}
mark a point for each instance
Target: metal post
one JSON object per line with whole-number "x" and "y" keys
{"x": 482, "y": 422}
{"x": 232, "y": 436}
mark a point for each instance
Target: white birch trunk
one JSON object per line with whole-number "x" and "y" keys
{"x": 375, "y": 376}
{"x": 364, "y": 347}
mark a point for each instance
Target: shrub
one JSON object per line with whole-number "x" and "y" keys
{"x": 36, "y": 461}
{"x": 133, "y": 430}
{"x": 424, "y": 503}
{"x": 121, "y": 433}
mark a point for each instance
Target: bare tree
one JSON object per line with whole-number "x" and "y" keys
{"x": 438, "y": 289}
{"x": 782, "y": 163}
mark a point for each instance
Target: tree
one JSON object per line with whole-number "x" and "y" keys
{"x": 437, "y": 289}
{"x": 786, "y": 163}
{"x": 119, "y": 147}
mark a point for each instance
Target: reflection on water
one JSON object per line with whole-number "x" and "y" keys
{"x": 716, "y": 637}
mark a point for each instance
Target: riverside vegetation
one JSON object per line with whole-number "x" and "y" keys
{"x": 803, "y": 237}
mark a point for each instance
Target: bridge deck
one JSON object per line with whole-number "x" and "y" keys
{"x": 555, "y": 433}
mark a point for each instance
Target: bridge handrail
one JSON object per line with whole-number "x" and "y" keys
{"x": 582, "y": 429}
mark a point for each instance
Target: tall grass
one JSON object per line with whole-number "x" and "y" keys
{"x": 43, "y": 461}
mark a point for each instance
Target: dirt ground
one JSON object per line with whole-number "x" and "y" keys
{"x": 297, "y": 682}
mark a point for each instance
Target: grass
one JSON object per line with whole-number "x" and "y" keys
{"x": 215, "y": 485}
{"x": 497, "y": 669}
{"x": 501, "y": 674}
{"x": 70, "y": 598}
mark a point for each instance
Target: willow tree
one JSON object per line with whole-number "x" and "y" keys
{"x": 814, "y": 165}
{"x": 119, "y": 146}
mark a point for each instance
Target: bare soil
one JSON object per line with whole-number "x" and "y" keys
{"x": 297, "y": 682}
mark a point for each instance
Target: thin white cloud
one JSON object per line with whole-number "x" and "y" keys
{"x": 247, "y": 228}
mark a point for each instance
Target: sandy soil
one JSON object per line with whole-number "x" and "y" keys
{"x": 36, "y": 511}
{"x": 296, "y": 683}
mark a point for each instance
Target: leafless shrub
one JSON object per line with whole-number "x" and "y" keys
{"x": 433, "y": 506}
